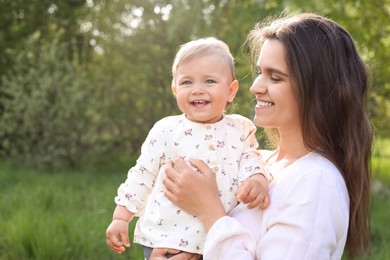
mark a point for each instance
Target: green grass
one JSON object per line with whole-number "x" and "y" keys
{"x": 380, "y": 232}
{"x": 64, "y": 215}
{"x": 381, "y": 161}
{"x": 57, "y": 216}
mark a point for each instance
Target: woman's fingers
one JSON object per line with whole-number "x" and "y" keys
{"x": 185, "y": 256}
{"x": 172, "y": 178}
{"x": 180, "y": 166}
{"x": 158, "y": 254}
{"x": 182, "y": 184}
{"x": 202, "y": 167}
{"x": 161, "y": 253}
{"x": 194, "y": 192}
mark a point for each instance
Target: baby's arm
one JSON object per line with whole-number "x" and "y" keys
{"x": 254, "y": 192}
{"x": 117, "y": 237}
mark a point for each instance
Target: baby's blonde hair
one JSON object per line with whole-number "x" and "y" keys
{"x": 203, "y": 46}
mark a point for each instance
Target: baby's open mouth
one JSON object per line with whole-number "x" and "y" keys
{"x": 199, "y": 102}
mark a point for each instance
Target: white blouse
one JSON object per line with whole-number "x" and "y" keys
{"x": 307, "y": 218}
{"x": 229, "y": 147}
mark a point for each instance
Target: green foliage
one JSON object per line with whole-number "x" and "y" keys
{"x": 50, "y": 115}
{"x": 380, "y": 233}
{"x": 381, "y": 202}
{"x": 20, "y": 19}
{"x": 381, "y": 161}
{"x": 85, "y": 78}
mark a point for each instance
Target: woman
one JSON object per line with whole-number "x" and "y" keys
{"x": 311, "y": 92}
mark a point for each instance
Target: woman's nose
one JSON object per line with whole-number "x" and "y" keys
{"x": 258, "y": 86}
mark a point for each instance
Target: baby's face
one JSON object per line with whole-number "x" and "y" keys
{"x": 203, "y": 86}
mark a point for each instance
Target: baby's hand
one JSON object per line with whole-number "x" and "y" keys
{"x": 117, "y": 236}
{"x": 254, "y": 192}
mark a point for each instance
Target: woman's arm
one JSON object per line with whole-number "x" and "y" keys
{"x": 195, "y": 192}
{"x": 309, "y": 218}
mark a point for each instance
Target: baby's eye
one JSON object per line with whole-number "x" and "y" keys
{"x": 185, "y": 83}
{"x": 209, "y": 81}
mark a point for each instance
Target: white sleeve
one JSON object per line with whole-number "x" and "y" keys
{"x": 251, "y": 161}
{"x": 134, "y": 192}
{"x": 309, "y": 222}
{"x": 227, "y": 239}
{"x": 307, "y": 219}
{"x": 234, "y": 236}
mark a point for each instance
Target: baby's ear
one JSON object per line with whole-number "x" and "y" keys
{"x": 174, "y": 90}
{"x": 233, "y": 88}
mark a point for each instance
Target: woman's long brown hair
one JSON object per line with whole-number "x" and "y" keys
{"x": 330, "y": 81}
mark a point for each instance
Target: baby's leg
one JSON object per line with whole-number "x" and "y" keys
{"x": 147, "y": 252}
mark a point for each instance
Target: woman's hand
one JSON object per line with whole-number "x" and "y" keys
{"x": 161, "y": 254}
{"x": 194, "y": 192}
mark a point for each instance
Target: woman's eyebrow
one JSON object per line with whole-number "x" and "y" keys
{"x": 274, "y": 70}
{"x": 277, "y": 71}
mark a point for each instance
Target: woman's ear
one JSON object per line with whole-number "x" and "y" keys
{"x": 233, "y": 88}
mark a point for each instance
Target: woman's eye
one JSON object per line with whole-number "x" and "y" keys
{"x": 275, "y": 79}
{"x": 257, "y": 71}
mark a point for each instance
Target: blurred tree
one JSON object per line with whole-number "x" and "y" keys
{"x": 117, "y": 56}
{"x": 133, "y": 68}
{"x": 42, "y": 53}
{"x": 49, "y": 119}
{"x": 19, "y": 19}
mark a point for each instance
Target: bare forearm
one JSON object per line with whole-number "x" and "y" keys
{"x": 121, "y": 213}
{"x": 117, "y": 237}
{"x": 210, "y": 216}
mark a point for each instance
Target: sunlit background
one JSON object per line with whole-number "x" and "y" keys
{"x": 83, "y": 81}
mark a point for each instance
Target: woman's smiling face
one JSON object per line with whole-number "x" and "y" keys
{"x": 276, "y": 104}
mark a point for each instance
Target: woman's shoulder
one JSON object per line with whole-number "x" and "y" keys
{"x": 310, "y": 160}
{"x": 316, "y": 169}
{"x": 311, "y": 168}
{"x": 317, "y": 164}
{"x": 312, "y": 178}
